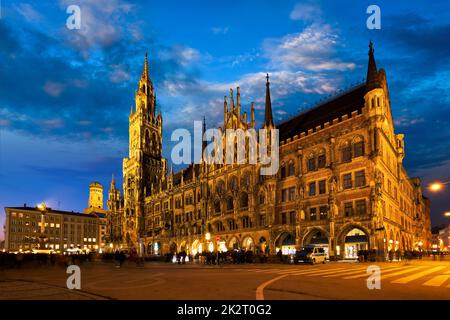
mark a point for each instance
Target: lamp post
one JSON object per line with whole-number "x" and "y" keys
{"x": 43, "y": 209}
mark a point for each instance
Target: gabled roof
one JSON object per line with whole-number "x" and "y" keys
{"x": 343, "y": 104}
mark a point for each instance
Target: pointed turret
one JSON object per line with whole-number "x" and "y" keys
{"x": 252, "y": 115}
{"x": 225, "y": 110}
{"x": 372, "y": 80}
{"x": 145, "y": 70}
{"x": 268, "y": 120}
{"x": 238, "y": 102}
{"x": 113, "y": 182}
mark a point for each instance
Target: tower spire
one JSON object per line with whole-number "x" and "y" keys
{"x": 268, "y": 120}
{"x": 372, "y": 80}
{"x": 113, "y": 182}
{"x": 145, "y": 71}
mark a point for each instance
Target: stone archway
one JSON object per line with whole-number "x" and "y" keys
{"x": 352, "y": 239}
{"x": 233, "y": 244}
{"x": 248, "y": 243}
{"x": 173, "y": 248}
{"x": 285, "y": 242}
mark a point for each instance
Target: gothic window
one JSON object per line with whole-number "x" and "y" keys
{"x": 323, "y": 212}
{"x": 230, "y": 205}
{"x": 244, "y": 200}
{"x": 217, "y": 206}
{"x": 246, "y": 223}
{"x": 348, "y": 209}
{"x": 346, "y": 152}
{"x": 312, "y": 188}
{"x": 220, "y": 187}
{"x": 360, "y": 178}
{"x": 292, "y": 217}
{"x": 291, "y": 169}
{"x": 262, "y": 198}
{"x": 360, "y": 207}
{"x": 322, "y": 187}
{"x": 233, "y": 184}
{"x": 358, "y": 148}
{"x": 283, "y": 171}
{"x": 311, "y": 163}
{"x": 347, "y": 181}
{"x": 312, "y": 214}
{"x": 321, "y": 161}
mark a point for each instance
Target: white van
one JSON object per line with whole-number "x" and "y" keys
{"x": 311, "y": 255}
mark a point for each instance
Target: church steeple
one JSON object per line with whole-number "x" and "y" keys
{"x": 268, "y": 120}
{"x": 372, "y": 80}
{"x": 145, "y": 70}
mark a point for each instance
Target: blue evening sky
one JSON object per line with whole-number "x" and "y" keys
{"x": 65, "y": 95}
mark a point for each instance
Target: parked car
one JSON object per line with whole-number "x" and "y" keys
{"x": 310, "y": 255}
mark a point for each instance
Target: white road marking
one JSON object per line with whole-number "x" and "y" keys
{"x": 417, "y": 275}
{"x": 260, "y": 289}
{"x": 364, "y": 274}
{"x": 436, "y": 281}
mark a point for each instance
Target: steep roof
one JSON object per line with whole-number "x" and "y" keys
{"x": 343, "y": 104}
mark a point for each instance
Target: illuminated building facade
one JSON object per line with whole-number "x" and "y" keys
{"x": 63, "y": 230}
{"x": 341, "y": 183}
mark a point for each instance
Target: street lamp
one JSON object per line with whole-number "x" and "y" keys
{"x": 447, "y": 214}
{"x": 437, "y": 186}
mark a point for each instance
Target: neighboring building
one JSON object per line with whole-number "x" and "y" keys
{"x": 441, "y": 238}
{"x": 62, "y": 230}
{"x": 95, "y": 204}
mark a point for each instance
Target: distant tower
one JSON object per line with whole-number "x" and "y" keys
{"x": 95, "y": 195}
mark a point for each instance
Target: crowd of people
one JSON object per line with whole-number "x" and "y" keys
{"x": 236, "y": 256}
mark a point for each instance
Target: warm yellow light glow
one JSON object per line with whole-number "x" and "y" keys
{"x": 41, "y": 206}
{"x": 208, "y": 236}
{"x": 211, "y": 247}
{"x": 436, "y": 186}
{"x": 447, "y": 214}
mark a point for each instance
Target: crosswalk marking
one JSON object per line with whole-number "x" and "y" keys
{"x": 417, "y": 275}
{"x": 437, "y": 281}
{"x": 364, "y": 274}
{"x": 401, "y": 272}
{"x": 313, "y": 273}
{"x": 346, "y": 272}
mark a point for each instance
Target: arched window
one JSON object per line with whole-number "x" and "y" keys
{"x": 246, "y": 222}
{"x": 233, "y": 185}
{"x": 244, "y": 200}
{"x": 230, "y": 205}
{"x": 358, "y": 147}
{"x": 217, "y": 206}
{"x": 321, "y": 159}
{"x": 283, "y": 171}
{"x": 262, "y": 198}
{"x": 346, "y": 152}
{"x": 311, "y": 162}
{"x": 291, "y": 168}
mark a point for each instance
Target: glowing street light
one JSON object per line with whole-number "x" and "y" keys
{"x": 437, "y": 186}
{"x": 447, "y": 214}
{"x": 208, "y": 236}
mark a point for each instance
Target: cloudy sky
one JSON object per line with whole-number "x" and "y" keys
{"x": 65, "y": 95}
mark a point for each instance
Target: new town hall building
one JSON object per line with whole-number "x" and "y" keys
{"x": 341, "y": 183}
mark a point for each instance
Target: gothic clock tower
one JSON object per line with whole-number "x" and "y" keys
{"x": 144, "y": 169}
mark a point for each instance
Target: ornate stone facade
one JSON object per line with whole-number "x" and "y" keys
{"x": 341, "y": 183}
